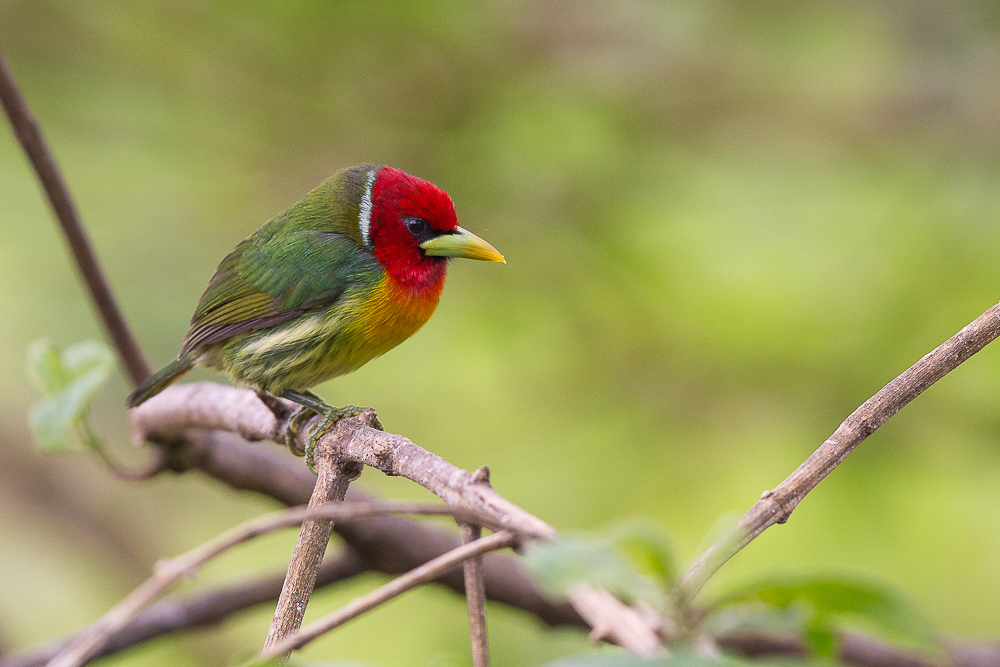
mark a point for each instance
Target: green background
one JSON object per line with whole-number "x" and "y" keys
{"x": 726, "y": 226}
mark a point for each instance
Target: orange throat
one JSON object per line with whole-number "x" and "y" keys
{"x": 394, "y": 312}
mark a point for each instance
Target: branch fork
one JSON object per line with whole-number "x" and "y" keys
{"x": 471, "y": 497}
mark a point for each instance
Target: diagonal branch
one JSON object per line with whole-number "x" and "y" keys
{"x": 775, "y": 506}
{"x": 206, "y": 405}
{"x": 421, "y": 575}
{"x": 201, "y": 610}
{"x": 388, "y": 544}
{"x": 29, "y": 133}
{"x": 168, "y": 572}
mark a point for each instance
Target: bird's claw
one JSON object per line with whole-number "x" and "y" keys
{"x": 295, "y": 422}
{"x": 331, "y": 416}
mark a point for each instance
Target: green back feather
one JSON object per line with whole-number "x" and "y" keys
{"x": 305, "y": 258}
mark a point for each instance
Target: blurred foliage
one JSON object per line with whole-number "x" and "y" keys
{"x": 815, "y": 608}
{"x": 69, "y": 380}
{"x": 573, "y": 560}
{"x": 726, "y": 225}
{"x": 824, "y": 605}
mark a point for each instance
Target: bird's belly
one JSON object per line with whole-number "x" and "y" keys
{"x": 314, "y": 348}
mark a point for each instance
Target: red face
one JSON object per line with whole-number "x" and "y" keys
{"x": 406, "y": 211}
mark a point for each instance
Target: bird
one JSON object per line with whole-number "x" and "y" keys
{"x": 342, "y": 276}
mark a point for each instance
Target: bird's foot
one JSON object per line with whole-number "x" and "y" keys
{"x": 295, "y": 422}
{"x": 314, "y": 405}
{"x": 331, "y": 416}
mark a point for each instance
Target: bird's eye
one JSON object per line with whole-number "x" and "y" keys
{"x": 416, "y": 226}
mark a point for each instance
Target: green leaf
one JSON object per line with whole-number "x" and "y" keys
{"x": 69, "y": 380}
{"x": 821, "y": 637}
{"x": 45, "y": 368}
{"x": 648, "y": 546}
{"x": 570, "y": 561}
{"x": 829, "y": 602}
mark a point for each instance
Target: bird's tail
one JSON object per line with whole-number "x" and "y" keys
{"x": 160, "y": 380}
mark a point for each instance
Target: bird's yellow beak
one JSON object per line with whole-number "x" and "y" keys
{"x": 462, "y": 243}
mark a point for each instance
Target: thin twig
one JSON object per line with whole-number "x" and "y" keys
{"x": 205, "y": 609}
{"x": 421, "y": 575}
{"x": 475, "y": 591}
{"x": 78, "y": 651}
{"x": 475, "y": 597}
{"x": 775, "y": 506}
{"x": 29, "y": 134}
{"x": 333, "y": 478}
{"x": 611, "y": 620}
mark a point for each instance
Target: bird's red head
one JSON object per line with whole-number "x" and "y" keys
{"x": 405, "y": 212}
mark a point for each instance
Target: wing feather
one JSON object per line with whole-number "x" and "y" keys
{"x": 275, "y": 276}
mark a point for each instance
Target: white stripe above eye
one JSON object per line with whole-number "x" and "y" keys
{"x": 365, "y": 209}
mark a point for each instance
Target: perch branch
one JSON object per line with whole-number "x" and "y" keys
{"x": 333, "y": 478}
{"x": 206, "y": 405}
{"x": 421, "y": 575}
{"x": 776, "y": 505}
{"x": 29, "y": 134}
{"x": 166, "y": 573}
{"x": 388, "y": 544}
{"x": 475, "y": 597}
{"x": 475, "y": 592}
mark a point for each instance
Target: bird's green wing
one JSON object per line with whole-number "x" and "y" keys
{"x": 275, "y": 276}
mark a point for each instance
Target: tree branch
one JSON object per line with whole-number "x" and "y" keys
{"x": 775, "y": 506}
{"x": 332, "y": 480}
{"x": 174, "y": 614}
{"x": 388, "y": 544}
{"x": 611, "y": 620}
{"x": 475, "y": 598}
{"x": 29, "y": 134}
{"x": 475, "y": 592}
{"x": 87, "y": 643}
{"x": 421, "y": 575}
{"x": 206, "y": 405}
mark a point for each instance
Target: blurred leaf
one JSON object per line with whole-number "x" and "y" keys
{"x": 69, "y": 380}
{"x": 741, "y": 618}
{"x": 565, "y": 563}
{"x": 648, "y": 546}
{"x": 821, "y": 637}
{"x": 45, "y": 367}
{"x": 828, "y": 602}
